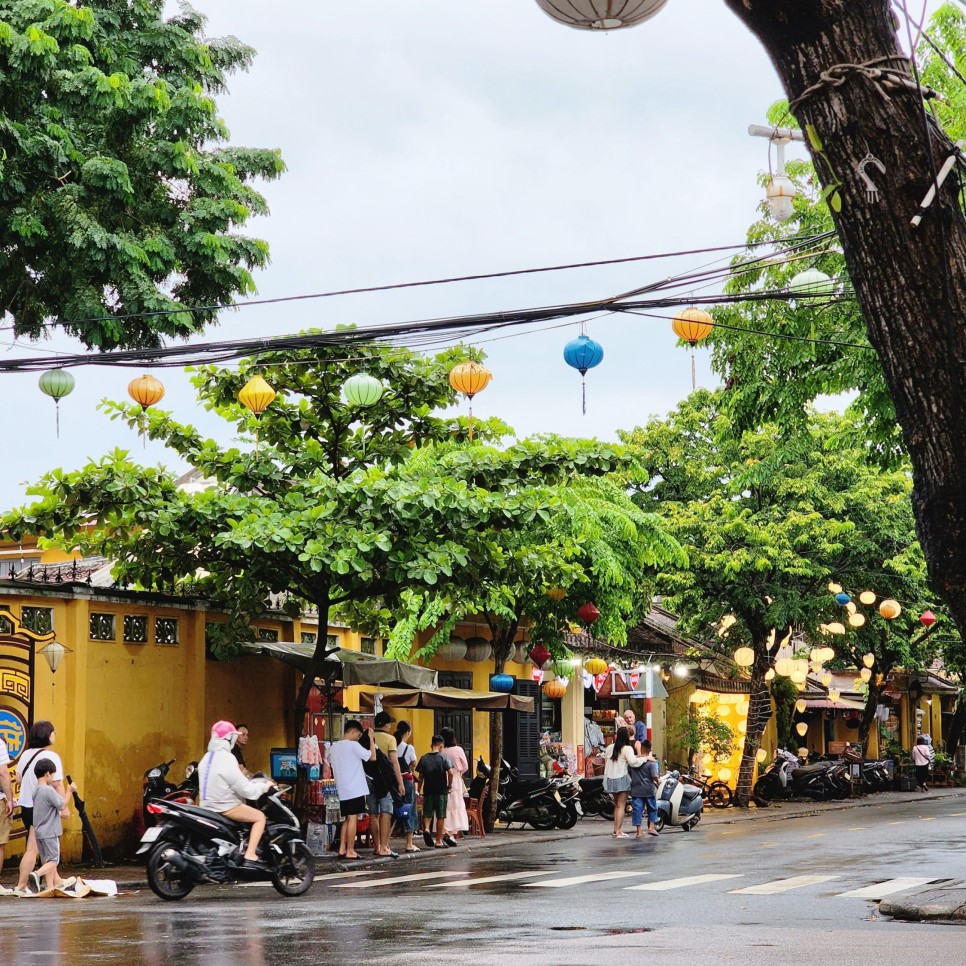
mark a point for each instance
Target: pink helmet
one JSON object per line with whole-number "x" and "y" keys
{"x": 224, "y": 730}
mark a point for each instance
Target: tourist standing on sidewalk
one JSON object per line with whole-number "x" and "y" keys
{"x": 41, "y": 736}
{"x": 457, "y": 821}
{"x": 435, "y": 777}
{"x": 406, "y": 756}
{"x": 617, "y": 781}
{"x": 347, "y": 757}
{"x": 922, "y": 756}
{"x": 6, "y": 803}
{"x": 381, "y": 807}
{"x": 644, "y": 791}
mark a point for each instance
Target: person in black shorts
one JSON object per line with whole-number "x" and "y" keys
{"x": 346, "y": 757}
{"x": 435, "y": 778}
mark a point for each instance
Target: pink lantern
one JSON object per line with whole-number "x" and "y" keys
{"x": 928, "y": 618}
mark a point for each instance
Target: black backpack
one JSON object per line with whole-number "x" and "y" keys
{"x": 382, "y": 776}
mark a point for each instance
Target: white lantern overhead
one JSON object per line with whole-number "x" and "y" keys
{"x": 780, "y": 194}
{"x": 600, "y": 14}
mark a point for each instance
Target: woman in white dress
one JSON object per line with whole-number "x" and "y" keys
{"x": 457, "y": 821}
{"x": 617, "y": 781}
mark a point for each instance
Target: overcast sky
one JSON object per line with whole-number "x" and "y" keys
{"x": 429, "y": 138}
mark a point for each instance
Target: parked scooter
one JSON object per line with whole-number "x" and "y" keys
{"x": 678, "y": 803}
{"x": 155, "y": 785}
{"x": 786, "y": 777}
{"x": 192, "y": 845}
{"x": 594, "y": 800}
{"x": 544, "y": 803}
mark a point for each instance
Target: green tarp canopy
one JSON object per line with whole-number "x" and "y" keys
{"x": 356, "y": 667}
{"x": 447, "y": 698}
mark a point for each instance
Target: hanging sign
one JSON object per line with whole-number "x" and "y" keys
{"x": 537, "y": 674}
{"x": 599, "y": 680}
{"x": 634, "y": 677}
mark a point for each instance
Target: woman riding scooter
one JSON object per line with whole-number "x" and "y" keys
{"x": 224, "y": 789}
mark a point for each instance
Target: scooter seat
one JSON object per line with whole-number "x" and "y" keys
{"x": 528, "y": 785}
{"x": 690, "y": 792}
{"x": 806, "y": 770}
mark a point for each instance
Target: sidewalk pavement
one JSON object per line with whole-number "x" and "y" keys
{"x": 131, "y": 877}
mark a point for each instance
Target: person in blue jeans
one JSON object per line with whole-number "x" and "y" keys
{"x": 644, "y": 791}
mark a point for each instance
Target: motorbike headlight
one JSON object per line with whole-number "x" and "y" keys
{"x": 154, "y": 773}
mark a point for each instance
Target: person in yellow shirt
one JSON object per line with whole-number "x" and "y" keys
{"x": 380, "y": 810}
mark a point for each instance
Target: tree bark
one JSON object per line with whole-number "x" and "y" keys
{"x": 759, "y": 713}
{"x": 910, "y": 282}
{"x": 955, "y": 735}
{"x": 317, "y": 665}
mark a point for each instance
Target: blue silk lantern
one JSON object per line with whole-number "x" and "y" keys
{"x": 582, "y": 354}
{"x": 502, "y": 683}
{"x": 842, "y": 599}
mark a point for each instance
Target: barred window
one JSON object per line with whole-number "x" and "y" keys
{"x": 6, "y": 625}
{"x": 135, "y": 629}
{"x": 103, "y": 627}
{"x": 369, "y": 645}
{"x": 166, "y": 630}
{"x": 267, "y": 634}
{"x": 309, "y": 638}
{"x": 40, "y": 620}
{"x": 332, "y": 640}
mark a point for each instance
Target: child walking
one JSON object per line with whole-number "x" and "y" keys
{"x": 49, "y": 809}
{"x": 435, "y": 780}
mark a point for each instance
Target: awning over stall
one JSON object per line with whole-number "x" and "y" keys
{"x": 447, "y": 698}
{"x": 843, "y": 704}
{"x": 357, "y": 668}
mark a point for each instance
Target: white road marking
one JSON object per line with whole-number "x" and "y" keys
{"x": 580, "y": 879}
{"x": 689, "y": 880}
{"x": 507, "y": 877}
{"x": 886, "y": 888}
{"x": 345, "y": 875}
{"x": 783, "y": 885}
{"x": 415, "y": 877}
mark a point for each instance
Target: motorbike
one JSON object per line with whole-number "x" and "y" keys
{"x": 678, "y": 803}
{"x": 155, "y": 784}
{"x": 717, "y": 793}
{"x": 786, "y": 777}
{"x": 544, "y": 803}
{"x": 190, "y": 846}
{"x": 594, "y": 800}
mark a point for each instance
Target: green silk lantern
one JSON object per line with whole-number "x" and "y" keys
{"x": 56, "y": 383}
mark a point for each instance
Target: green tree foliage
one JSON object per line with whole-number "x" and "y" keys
{"x": 119, "y": 192}
{"x": 767, "y": 523}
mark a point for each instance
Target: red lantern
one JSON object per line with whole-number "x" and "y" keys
{"x": 928, "y": 618}
{"x": 588, "y": 613}
{"x": 539, "y": 655}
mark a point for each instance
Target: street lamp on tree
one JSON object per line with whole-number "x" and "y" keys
{"x": 779, "y": 192}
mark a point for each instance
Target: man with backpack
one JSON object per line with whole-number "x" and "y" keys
{"x": 385, "y": 779}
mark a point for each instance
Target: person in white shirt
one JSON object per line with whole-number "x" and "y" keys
{"x": 6, "y": 801}
{"x": 347, "y": 757}
{"x": 617, "y": 779}
{"x": 224, "y": 789}
{"x": 922, "y": 756}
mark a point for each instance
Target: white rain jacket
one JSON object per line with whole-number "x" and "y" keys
{"x": 220, "y": 780}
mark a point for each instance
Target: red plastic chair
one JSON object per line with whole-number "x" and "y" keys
{"x": 474, "y": 812}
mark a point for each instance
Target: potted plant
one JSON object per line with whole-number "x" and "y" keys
{"x": 941, "y": 768}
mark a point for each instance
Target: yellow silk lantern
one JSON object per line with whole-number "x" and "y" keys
{"x": 145, "y": 390}
{"x": 692, "y": 325}
{"x": 256, "y": 395}
{"x": 555, "y": 688}
{"x": 800, "y": 705}
{"x": 867, "y": 597}
{"x": 868, "y": 659}
{"x": 469, "y": 378}
{"x": 802, "y": 728}
{"x": 865, "y": 674}
{"x": 595, "y": 666}
{"x": 744, "y": 657}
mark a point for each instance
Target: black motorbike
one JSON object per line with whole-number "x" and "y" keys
{"x": 155, "y": 785}
{"x": 544, "y": 803}
{"x": 191, "y": 845}
{"x": 786, "y": 778}
{"x": 594, "y": 800}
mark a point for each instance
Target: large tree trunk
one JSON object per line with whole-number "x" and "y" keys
{"x": 317, "y": 667}
{"x": 759, "y": 713}
{"x": 910, "y": 282}
{"x": 957, "y": 726}
{"x": 502, "y": 645}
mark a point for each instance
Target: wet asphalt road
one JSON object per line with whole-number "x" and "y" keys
{"x": 539, "y": 916}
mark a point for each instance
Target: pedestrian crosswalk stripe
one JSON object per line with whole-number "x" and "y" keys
{"x": 506, "y": 877}
{"x": 345, "y": 875}
{"x": 886, "y": 888}
{"x": 580, "y": 879}
{"x": 783, "y": 885}
{"x": 680, "y": 883}
{"x": 415, "y": 877}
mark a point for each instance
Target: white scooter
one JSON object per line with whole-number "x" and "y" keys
{"x": 678, "y": 803}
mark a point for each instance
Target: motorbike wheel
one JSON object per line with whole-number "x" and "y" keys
{"x": 166, "y": 881}
{"x": 719, "y": 795}
{"x": 693, "y": 824}
{"x": 659, "y": 824}
{"x": 567, "y": 820}
{"x": 543, "y": 825}
{"x": 295, "y": 871}
{"x": 764, "y": 792}
{"x": 607, "y": 810}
